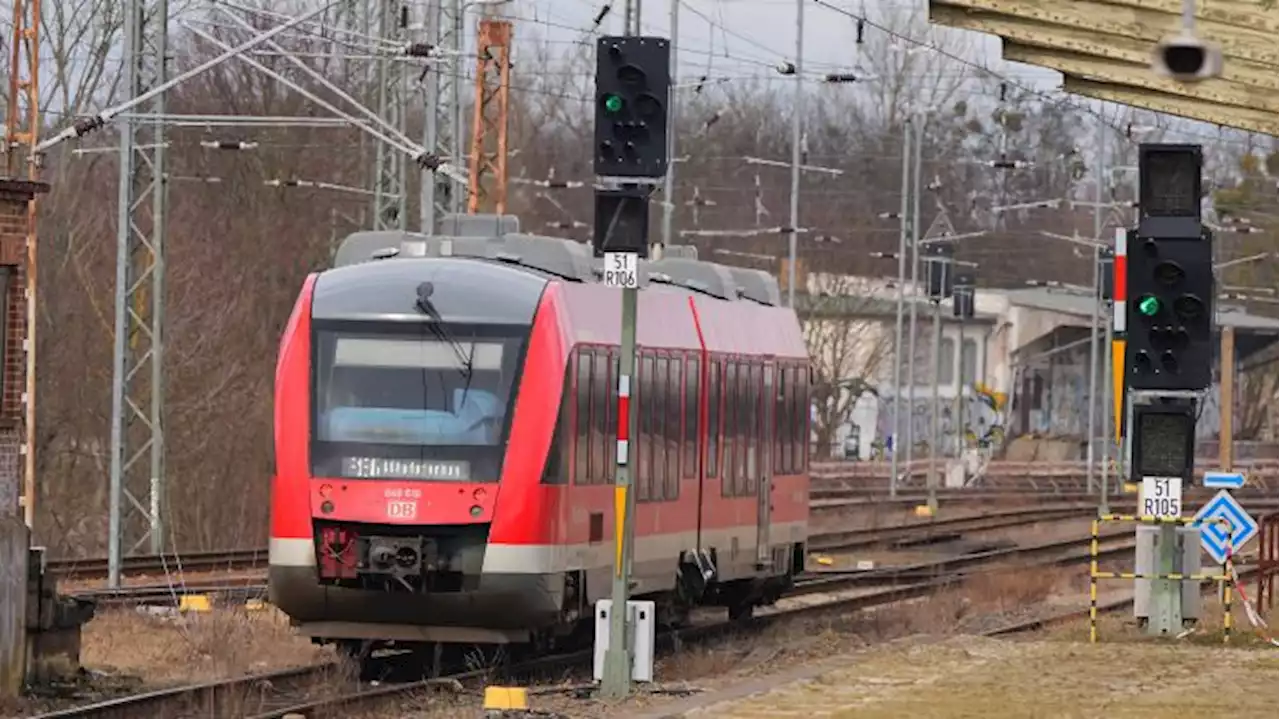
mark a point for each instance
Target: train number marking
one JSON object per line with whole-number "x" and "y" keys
{"x": 398, "y": 509}
{"x": 401, "y": 493}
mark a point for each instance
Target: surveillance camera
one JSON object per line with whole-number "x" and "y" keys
{"x": 1187, "y": 58}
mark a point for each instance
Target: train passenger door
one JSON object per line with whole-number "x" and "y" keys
{"x": 764, "y": 464}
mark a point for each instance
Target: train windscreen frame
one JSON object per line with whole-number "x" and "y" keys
{"x": 418, "y": 401}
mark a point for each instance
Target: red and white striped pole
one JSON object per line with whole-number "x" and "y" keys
{"x": 624, "y": 459}
{"x": 1119, "y": 308}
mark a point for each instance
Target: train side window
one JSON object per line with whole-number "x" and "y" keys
{"x": 611, "y": 422}
{"x": 785, "y": 420}
{"x": 675, "y": 414}
{"x": 806, "y": 373}
{"x": 801, "y": 414}
{"x": 779, "y": 416}
{"x": 692, "y": 381}
{"x": 581, "y": 415}
{"x": 730, "y": 426}
{"x": 713, "y": 418}
{"x": 657, "y": 425}
{"x": 769, "y": 415}
{"x": 745, "y": 394}
{"x": 755, "y": 466}
{"x": 640, "y": 434}
{"x": 599, "y": 400}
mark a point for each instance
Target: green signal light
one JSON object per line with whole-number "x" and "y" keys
{"x": 1149, "y": 306}
{"x": 612, "y": 103}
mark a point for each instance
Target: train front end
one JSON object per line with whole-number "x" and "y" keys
{"x": 396, "y": 394}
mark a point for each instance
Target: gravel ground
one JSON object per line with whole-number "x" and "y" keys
{"x": 126, "y": 651}
{"x": 975, "y": 677}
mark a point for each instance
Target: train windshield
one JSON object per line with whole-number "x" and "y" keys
{"x": 427, "y": 402}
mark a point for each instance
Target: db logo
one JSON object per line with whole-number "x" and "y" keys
{"x": 402, "y": 510}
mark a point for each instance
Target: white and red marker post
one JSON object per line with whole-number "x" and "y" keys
{"x": 1119, "y": 305}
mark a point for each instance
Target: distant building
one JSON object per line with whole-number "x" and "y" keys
{"x": 1022, "y": 369}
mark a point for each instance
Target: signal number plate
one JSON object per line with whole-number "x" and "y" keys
{"x": 397, "y": 509}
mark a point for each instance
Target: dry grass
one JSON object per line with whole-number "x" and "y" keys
{"x": 194, "y": 647}
{"x": 974, "y": 677}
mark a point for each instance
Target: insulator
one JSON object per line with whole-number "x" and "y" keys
{"x": 860, "y": 29}
{"x": 840, "y": 77}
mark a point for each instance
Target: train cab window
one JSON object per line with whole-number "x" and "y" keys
{"x": 599, "y": 400}
{"x": 713, "y": 419}
{"x": 395, "y": 401}
{"x": 581, "y": 416}
{"x": 730, "y": 427}
{"x": 692, "y": 381}
{"x": 556, "y": 470}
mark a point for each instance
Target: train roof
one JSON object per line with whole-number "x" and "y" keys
{"x": 563, "y": 259}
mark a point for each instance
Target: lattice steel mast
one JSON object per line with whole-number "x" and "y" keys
{"x": 137, "y": 391}
{"x": 22, "y": 130}
{"x": 390, "y": 167}
{"x": 441, "y": 133}
{"x": 487, "y": 167}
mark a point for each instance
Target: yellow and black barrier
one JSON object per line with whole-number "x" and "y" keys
{"x": 1094, "y": 575}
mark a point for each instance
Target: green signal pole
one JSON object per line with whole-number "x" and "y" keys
{"x": 616, "y": 681}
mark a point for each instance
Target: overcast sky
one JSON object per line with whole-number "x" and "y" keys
{"x": 740, "y": 37}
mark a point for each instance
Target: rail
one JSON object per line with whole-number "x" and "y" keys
{"x": 267, "y": 695}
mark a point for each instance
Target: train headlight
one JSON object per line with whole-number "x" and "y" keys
{"x": 326, "y": 507}
{"x": 477, "y": 510}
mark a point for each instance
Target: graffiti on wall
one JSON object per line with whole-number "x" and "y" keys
{"x": 978, "y": 419}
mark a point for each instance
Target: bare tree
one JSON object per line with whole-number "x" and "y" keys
{"x": 848, "y": 348}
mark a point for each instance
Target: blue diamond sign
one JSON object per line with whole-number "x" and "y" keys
{"x": 1213, "y": 535}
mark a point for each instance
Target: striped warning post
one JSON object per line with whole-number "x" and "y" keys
{"x": 1119, "y": 305}
{"x": 1225, "y": 577}
{"x": 1119, "y": 286}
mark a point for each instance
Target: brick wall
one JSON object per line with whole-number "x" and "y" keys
{"x": 14, "y": 196}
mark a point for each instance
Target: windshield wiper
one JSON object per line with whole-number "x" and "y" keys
{"x": 442, "y": 333}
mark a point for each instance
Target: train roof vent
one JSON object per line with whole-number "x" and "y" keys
{"x": 756, "y": 285}
{"x": 361, "y": 246}
{"x": 417, "y": 248}
{"x": 479, "y": 225}
{"x": 568, "y": 259}
{"x": 704, "y": 277}
{"x": 680, "y": 252}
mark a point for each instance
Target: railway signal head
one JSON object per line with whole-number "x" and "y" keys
{"x": 633, "y": 79}
{"x": 1170, "y": 321}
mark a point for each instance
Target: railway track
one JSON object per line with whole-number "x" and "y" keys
{"x": 273, "y": 695}
{"x": 228, "y": 559}
{"x": 243, "y": 589}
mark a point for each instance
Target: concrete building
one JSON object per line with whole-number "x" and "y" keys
{"x": 1023, "y": 368}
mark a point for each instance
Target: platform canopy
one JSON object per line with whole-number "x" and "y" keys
{"x": 1103, "y": 50}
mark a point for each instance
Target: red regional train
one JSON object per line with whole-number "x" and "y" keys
{"x": 445, "y": 416}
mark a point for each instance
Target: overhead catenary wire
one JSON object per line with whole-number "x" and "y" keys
{"x": 86, "y": 125}
{"x": 420, "y": 155}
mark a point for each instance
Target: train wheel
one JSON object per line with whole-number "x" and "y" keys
{"x": 741, "y": 611}
{"x": 360, "y": 654}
